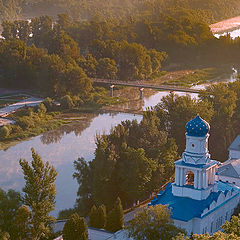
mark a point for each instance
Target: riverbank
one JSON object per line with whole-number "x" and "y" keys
{"x": 126, "y": 100}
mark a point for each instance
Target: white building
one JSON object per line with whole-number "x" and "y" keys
{"x": 229, "y": 171}
{"x": 198, "y": 202}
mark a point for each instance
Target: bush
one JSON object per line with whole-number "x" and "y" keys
{"x": 16, "y": 129}
{"x": 41, "y": 108}
{"x": 75, "y": 228}
{"x": 66, "y": 102}
{"x": 49, "y": 104}
{"x": 25, "y": 122}
{"x": 4, "y": 132}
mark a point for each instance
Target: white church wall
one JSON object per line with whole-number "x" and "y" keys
{"x": 210, "y": 222}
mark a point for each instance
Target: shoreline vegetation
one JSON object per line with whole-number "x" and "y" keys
{"x": 126, "y": 100}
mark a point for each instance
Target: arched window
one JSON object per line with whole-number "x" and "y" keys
{"x": 190, "y": 178}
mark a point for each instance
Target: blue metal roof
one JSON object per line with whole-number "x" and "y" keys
{"x": 184, "y": 208}
{"x": 197, "y": 127}
{"x": 235, "y": 144}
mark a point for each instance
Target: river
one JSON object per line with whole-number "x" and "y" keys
{"x": 64, "y": 145}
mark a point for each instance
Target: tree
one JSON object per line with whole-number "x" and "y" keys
{"x": 175, "y": 111}
{"x": 106, "y": 68}
{"x": 22, "y": 221}
{"x": 97, "y": 217}
{"x": 4, "y": 132}
{"x": 115, "y": 218}
{"x": 66, "y": 102}
{"x": 40, "y": 192}
{"x": 75, "y": 228}
{"x": 233, "y": 226}
{"x": 76, "y": 81}
{"x": 9, "y": 203}
{"x": 93, "y": 217}
{"x": 102, "y": 216}
{"x": 153, "y": 223}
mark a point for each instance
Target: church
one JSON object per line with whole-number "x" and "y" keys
{"x": 198, "y": 202}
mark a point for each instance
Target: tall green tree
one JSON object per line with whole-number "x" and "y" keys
{"x": 115, "y": 218}
{"x": 93, "y": 217}
{"x": 39, "y": 194}
{"x": 102, "y": 216}
{"x": 75, "y": 228}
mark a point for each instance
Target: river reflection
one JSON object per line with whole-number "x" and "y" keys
{"x": 60, "y": 147}
{"x": 64, "y": 145}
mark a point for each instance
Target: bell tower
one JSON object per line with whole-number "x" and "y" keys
{"x": 195, "y": 172}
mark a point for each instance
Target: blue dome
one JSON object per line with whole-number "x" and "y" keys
{"x": 197, "y": 127}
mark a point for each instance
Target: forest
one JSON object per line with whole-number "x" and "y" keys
{"x": 59, "y": 57}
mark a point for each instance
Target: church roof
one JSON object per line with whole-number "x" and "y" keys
{"x": 184, "y": 208}
{"x": 235, "y": 144}
{"x": 230, "y": 169}
{"x": 197, "y": 127}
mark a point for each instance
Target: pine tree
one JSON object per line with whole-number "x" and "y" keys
{"x": 93, "y": 217}
{"x": 40, "y": 192}
{"x": 102, "y": 216}
{"x": 75, "y": 228}
{"x": 115, "y": 218}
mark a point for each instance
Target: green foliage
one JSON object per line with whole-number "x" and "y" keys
{"x": 4, "y": 132}
{"x": 93, "y": 217}
{"x": 41, "y": 109}
{"x": 49, "y": 104}
{"x": 106, "y": 68}
{"x": 153, "y": 223}
{"x": 22, "y": 221}
{"x": 115, "y": 218}
{"x": 9, "y": 203}
{"x": 102, "y": 216}
{"x": 175, "y": 111}
{"x": 130, "y": 162}
{"x": 4, "y": 235}
{"x": 66, "y": 102}
{"x": 25, "y": 122}
{"x": 75, "y": 228}
{"x": 40, "y": 192}
{"x": 233, "y": 226}
{"x": 97, "y": 216}
{"x": 66, "y": 213}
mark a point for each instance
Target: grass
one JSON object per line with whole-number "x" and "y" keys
{"x": 194, "y": 78}
{"x": 40, "y": 123}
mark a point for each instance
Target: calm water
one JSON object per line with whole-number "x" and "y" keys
{"x": 61, "y": 147}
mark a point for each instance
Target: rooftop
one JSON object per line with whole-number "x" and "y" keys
{"x": 230, "y": 168}
{"x": 184, "y": 208}
{"x": 235, "y": 144}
